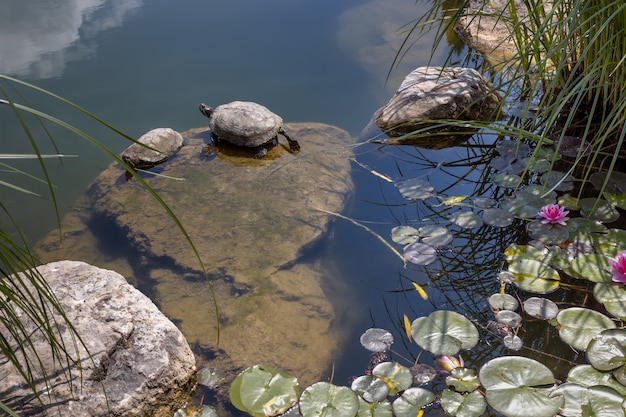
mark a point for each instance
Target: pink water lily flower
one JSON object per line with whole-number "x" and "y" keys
{"x": 553, "y": 214}
{"x": 619, "y": 268}
{"x": 448, "y": 363}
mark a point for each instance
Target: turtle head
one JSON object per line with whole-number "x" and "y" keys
{"x": 206, "y": 110}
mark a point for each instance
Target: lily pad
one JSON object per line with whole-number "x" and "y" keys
{"x": 547, "y": 233}
{"x": 397, "y": 377}
{"x": 513, "y": 342}
{"x": 607, "y": 350}
{"x": 504, "y": 180}
{"x": 463, "y": 405}
{"x": 503, "y": 302}
{"x": 463, "y": 379}
{"x": 372, "y": 389}
{"x": 588, "y": 376}
{"x": 592, "y": 401}
{"x": 484, "y": 202}
{"x": 435, "y": 235}
{"x": 613, "y": 296}
{"x": 541, "y": 308}
{"x": 593, "y": 267}
{"x": 420, "y": 253}
{"x": 513, "y": 382}
{"x": 422, "y": 374}
{"x": 377, "y": 409}
{"x": 323, "y": 399}
{"x": 597, "y": 209}
{"x": 411, "y": 401}
{"x": 577, "y": 326}
{"x": 535, "y": 276}
{"x": 618, "y": 199}
{"x": 497, "y": 217}
{"x": 264, "y": 391}
{"x": 416, "y": 189}
{"x": 615, "y": 183}
{"x": 559, "y": 180}
{"x": 404, "y": 235}
{"x": 376, "y": 340}
{"x": 510, "y": 318}
{"x": 587, "y": 231}
{"x": 444, "y": 332}
{"x": 466, "y": 219}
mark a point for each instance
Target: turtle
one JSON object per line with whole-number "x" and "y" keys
{"x": 153, "y": 148}
{"x": 248, "y": 124}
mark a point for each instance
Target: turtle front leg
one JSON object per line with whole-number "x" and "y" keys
{"x": 293, "y": 144}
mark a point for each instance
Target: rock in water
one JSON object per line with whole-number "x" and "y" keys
{"x": 139, "y": 359}
{"x": 431, "y": 93}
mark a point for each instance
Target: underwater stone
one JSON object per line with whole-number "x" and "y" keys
{"x": 139, "y": 357}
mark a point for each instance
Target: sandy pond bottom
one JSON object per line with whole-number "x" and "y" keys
{"x": 251, "y": 222}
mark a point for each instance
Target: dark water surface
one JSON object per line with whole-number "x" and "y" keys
{"x": 141, "y": 65}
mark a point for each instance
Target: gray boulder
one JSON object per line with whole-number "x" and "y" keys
{"x": 140, "y": 362}
{"x": 431, "y": 93}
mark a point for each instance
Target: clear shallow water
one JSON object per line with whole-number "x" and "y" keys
{"x": 141, "y": 65}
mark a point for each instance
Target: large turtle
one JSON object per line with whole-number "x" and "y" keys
{"x": 156, "y": 147}
{"x": 244, "y": 123}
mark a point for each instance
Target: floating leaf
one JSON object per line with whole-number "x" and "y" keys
{"x": 435, "y": 235}
{"x": 513, "y": 382}
{"x": 503, "y": 302}
{"x": 207, "y": 377}
{"x": 377, "y": 409}
{"x": 510, "y": 318}
{"x": 592, "y": 401}
{"x": 593, "y": 267}
{"x": 587, "y": 231}
{"x": 559, "y": 180}
{"x": 463, "y": 405}
{"x": 588, "y": 376}
{"x": 577, "y": 326}
{"x": 535, "y": 276}
{"x": 521, "y": 208}
{"x": 452, "y": 201}
{"x": 422, "y": 374}
{"x": 541, "y": 308}
{"x": 497, "y": 217}
{"x": 444, "y": 332}
{"x": 416, "y": 189}
{"x": 323, "y": 399}
{"x": 607, "y": 350}
{"x": 376, "y": 340}
{"x": 264, "y": 391}
{"x": 615, "y": 183}
{"x": 420, "y": 253}
{"x": 420, "y": 290}
{"x": 404, "y": 235}
{"x": 191, "y": 411}
{"x": 548, "y": 234}
{"x": 411, "y": 401}
{"x": 407, "y": 327}
{"x": 513, "y": 342}
{"x": 573, "y": 146}
{"x": 484, "y": 202}
{"x": 372, "y": 389}
{"x": 618, "y": 199}
{"x": 504, "y": 180}
{"x": 463, "y": 379}
{"x": 599, "y": 210}
{"x": 616, "y": 240}
{"x": 613, "y": 296}
{"x": 466, "y": 219}
{"x": 517, "y": 252}
{"x": 397, "y": 377}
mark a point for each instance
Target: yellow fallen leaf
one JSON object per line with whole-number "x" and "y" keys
{"x": 420, "y": 290}
{"x": 407, "y": 327}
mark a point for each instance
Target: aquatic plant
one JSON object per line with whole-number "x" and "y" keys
{"x": 619, "y": 267}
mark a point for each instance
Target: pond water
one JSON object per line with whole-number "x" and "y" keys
{"x": 140, "y": 65}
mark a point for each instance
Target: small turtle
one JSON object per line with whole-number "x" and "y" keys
{"x": 247, "y": 124}
{"x": 164, "y": 142}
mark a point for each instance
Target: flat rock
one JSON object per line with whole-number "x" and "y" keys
{"x": 139, "y": 359}
{"x": 251, "y": 221}
{"x": 434, "y": 93}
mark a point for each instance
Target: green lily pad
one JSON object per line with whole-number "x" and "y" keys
{"x": 444, "y": 332}
{"x": 513, "y": 382}
{"x": 568, "y": 201}
{"x": 435, "y": 235}
{"x": 559, "y": 180}
{"x": 422, "y": 374}
{"x": 547, "y": 233}
{"x": 397, "y": 377}
{"x": 463, "y": 379}
{"x": 484, "y": 202}
{"x": 613, "y": 296}
{"x": 264, "y": 391}
{"x": 591, "y": 266}
{"x": 587, "y": 231}
{"x": 411, "y": 401}
{"x": 518, "y": 207}
{"x": 191, "y": 411}
{"x": 591, "y": 401}
{"x": 541, "y": 308}
{"x": 497, "y": 217}
{"x": 456, "y": 404}
{"x": 324, "y": 399}
{"x": 510, "y": 318}
{"x": 618, "y": 199}
{"x": 588, "y": 376}
{"x": 517, "y": 252}
{"x": 616, "y": 241}
{"x": 607, "y": 350}
{"x": 577, "y": 326}
{"x": 513, "y": 342}
{"x": 504, "y": 180}
{"x": 420, "y": 253}
{"x": 614, "y": 183}
{"x": 208, "y": 378}
{"x": 416, "y": 189}
{"x": 372, "y": 389}
{"x": 377, "y": 409}
{"x": 503, "y": 302}
{"x": 404, "y": 235}
{"x": 535, "y": 276}
{"x": 599, "y": 210}
{"x": 376, "y": 340}
{"x": 466, "y": 219}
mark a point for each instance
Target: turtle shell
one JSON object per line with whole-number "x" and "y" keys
{"x": 164, "y": 142}
{"x": 245, "y": 123}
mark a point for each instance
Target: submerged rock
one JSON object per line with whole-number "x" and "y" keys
{"x": 250, "y": 221}
{"x": 433, "y": 93}
{"x": 140, "y": 363}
